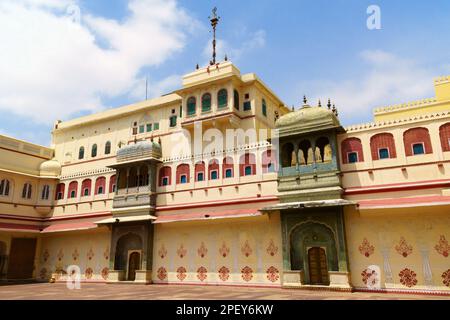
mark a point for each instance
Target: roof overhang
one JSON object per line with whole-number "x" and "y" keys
{"x": 213, "y": 215}
{"x": 126, "y": 219}
{"x": 308, "y": 204}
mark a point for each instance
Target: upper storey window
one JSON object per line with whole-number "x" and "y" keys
{"x": 382, "y": 146}
{"x": 4, "y": 187}
{"x": 222, "y": 98}
{"x": 352, "y": 150}
{"x": 45, "y": 192}
{"x": 108, "y": 147}
{"x": 141, "y": 128}
{"x": 206, "y": 102}
{"x": 60, "y": 191}
{"x": 264, "y": 108}
{"x": 236, "y": 99}
{"x": 417, "y": 141}
{"x": 81, "y": 153}
{"x": 173, "y": 121}
{"x": 191, "y": 106}
{"x": 444, "y": 134}
{"x": 94, "y": 151}
{"x": 26, "y": 191}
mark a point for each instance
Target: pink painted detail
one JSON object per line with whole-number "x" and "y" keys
{"x": 272, "y": 249}
{"x": 202, "y": 250}
{"x": 365, "y": 248}
{"x": 273, "y": 274}
{"x": 369, "y": 277}
{"x": 224, "y": 273}
{"x": 90, "y": 254}
{"x": 105, "y": 273}
{"x": 224, "y": 250}
{"x": 181, "y": 251}
{"x": 246, "y": 249}
{"x": 46, "y": 255}
{"x": 88, "y": 273}
{"x": 446, "y": 278}
{"x": 403, "y": 248}
{"x": 181, "y": 273}
{"x": 202, "y": 273}
{"x": 162, "y": 252}
{"x": 408, "y": 277}
{"x": 247, "y": 273}
{"x": 75, "y": 254}
{"x": 161, "y": 273}
{"x": 60, "y": 254}
{"x": 442, "y": 247}
{"x": 106, "y": 253}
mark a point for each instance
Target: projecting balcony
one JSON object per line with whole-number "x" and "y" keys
{"x": 134, "y": 197}
{"x": 222, "y": 117}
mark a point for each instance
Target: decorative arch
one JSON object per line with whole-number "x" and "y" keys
{"x": 269, "y": 161}
{"x": 112, "y": 184}
{"x": 227, "y": 167}
{"x": 165, "y": 173}
{"x": 246, "y": 161}
{"x": 60, "y": 188}
{"x": 213, "y": 166}
{"x": 73, "y": 189}
{"x": 86, "y": 187}
{"x": 100, "y": 184}
{"x": 305, "y": 153}
{"x": 127, "y": 242}
{"x": 323, "y": 152}
{"x": 444, "y": 135}
{"x": 382, "y": 144}
{"x": 199, "y": 171}
{"x": 349, "y": 147}
{"x": 183, "y": 173}
{"x": 415, "y": 136}
{"x": 287, "y": 151}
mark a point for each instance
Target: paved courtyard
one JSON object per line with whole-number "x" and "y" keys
{"x": 92, "y": 291}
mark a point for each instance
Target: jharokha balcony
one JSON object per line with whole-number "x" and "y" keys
{"x": 136, "y": 177}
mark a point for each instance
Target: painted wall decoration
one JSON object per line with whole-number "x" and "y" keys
{"x": 442, "y": 247}
{"x": 161, "y": 273}
{"x": 46, "y": 255}
{"x": 88, "y": 273}
{"x": 365, "y": 248}
{"x": 181, "y": 273}
{"x": 369, "y": 277}
{"x": 162, "y": 252}
{"x": 273, "y": 274}
{"x": 202, "y": 273}
{"x": 272, "y": 249}
{"x": 106, "y": 253}
{"x": 247, "y": 273}
{"x": 181, "y": 251}
{"x": 224, "y": 273}
{"x": 75, "y": 255}
{"x": 408, "y": 277}
{"x": 90, "y": 254}
{"x": 246, "y": 249}
{"x": 105, "y": 273}
{"x": 403, "y": 248}
{"x": 446, "y": 278}
{"x": 224, "y": 250}
{"x": 202, "y": 250}
{"x": 43, "y": 274}
{"x": 60, "y": 254}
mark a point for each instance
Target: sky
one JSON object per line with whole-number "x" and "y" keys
{"x": 61, "y": 59}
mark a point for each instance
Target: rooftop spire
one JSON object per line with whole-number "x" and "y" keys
{"x": 214, "y": 21}
{"x": 305, "y": 100}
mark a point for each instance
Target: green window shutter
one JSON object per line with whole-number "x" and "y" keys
{"x": 149, "y": 127}
{"x": 264, "y": 108}
{"x": 206, "y": 102}
{"x": 191, "y": 106}
{"x": 222, "y": 98}
{"x": 156, "y": 126}
{"x": 236, "y": 100}
{"x": 247, "y": 106}
{"x": 173, "y": 121}
{"x": 141, "y": 129}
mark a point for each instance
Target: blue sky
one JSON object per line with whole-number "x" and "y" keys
{"x": 64, "y": 58}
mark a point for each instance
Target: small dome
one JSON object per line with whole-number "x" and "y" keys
{"x": 308, "y": 119}
{"x": 50, "y": 168}
{"x": 139, "y": 147}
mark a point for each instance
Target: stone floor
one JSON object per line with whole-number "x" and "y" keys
{"x": 92, "y": 291}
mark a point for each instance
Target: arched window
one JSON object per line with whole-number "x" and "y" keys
{"x": 236, "y": 99}
{"x": 352, "y": 150}
{"x": 73, "y": 190}
{"x": 100, "y": 183}
{"x": 165, "y": 174}
{"x": 112, "y": 184}
{"x": 247, "y": 165}
{"x": 60, "y": 191}
{"x": 269, "y": 163}
{"x": 81, "y": 153}
{"x": 382, "y": 146}
{"x": 264, "y": 108}
{"x": 206, "y": 102}
{"x": 444, "y": 134}
{"x": 4, "y": 187}
{"x": 107, "y": 147}
{"x": 228, "y": 167}
{"x": 86, "y": 187}
{"x": 191, "y": 108}
{"x": 286, "y": 155}
{"x": 213, "y": 169}
{"x": 199, "y": 171}
{"x": 45, "y": 192}
{"x": 323, "y": 152}
{"x": 305, "y": 153}
{"x": 183, "y": 173}
{"x": 417, "y": 141}
{"x": 27, "y": 191}
{"x": 94, "y": 151}
{"x": 222, "y": 98}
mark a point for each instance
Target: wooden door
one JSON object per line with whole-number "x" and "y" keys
{"x": 318, "y": 270}
{"x": 21, "y": 258}
{"x": 134, "y": 263}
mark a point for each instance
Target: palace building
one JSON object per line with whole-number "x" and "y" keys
{"x": 127, "y": 195}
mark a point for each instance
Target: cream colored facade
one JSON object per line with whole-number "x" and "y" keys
{"x": 168, "y": 218}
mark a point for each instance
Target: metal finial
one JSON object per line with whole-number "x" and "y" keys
{"x": 329, "y": 104}
{"x": 334, "y": 110}
{"x": 292, "y": 108}
{"x": 214, "y": 21}
{"x": 226, "y": 58}
{"x": 305, "y": 101}
{"x": 197, "y": 67}
{"x": 320, "y": 103}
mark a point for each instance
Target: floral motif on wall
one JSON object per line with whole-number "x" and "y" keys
{"x": 403, "y": 248}
{"x": 60, "y": 254}
{"x": 369, "y": 277}
{"x": 106, "y": 253}
{"x": 408, "y": 277}
{"x": 88, "y": 273}
{"x": 247, "y": 273}
{"x": 202, "y": 250}
{"x": 246, "y": 249}
{"x": 75, "y": 254}
{"x": 446, "y": 278}
{"x": 273, "y": 274}
{"x": 59, "y": 272}
{"x": 224, "y": 273}
{"x": 181, "y": 251}
{"x": 162, "y": 252}
{"x": 272, "y": 249}
{"x": 161, "y": 273}
{"x": 442, "y": 247}
{"x": 202, "y": 273}
{"x": 181, "y": 273}
{"x": 365, "y": 248}
{"x": 43, "y": 273}
{"x": 105, "y": 272}
{"x": 90, "y": 254}
{"x": 46, "y": 255}
{"x": 224, "y": 250}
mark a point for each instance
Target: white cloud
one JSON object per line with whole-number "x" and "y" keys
{"x": 388, "y": 79}
{"x": 52, "y": 67}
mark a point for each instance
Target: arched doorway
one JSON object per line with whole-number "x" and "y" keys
{"x": 124, "y": 257}
{"x": 313, "y": 250}
{"x": 134, "y": 263}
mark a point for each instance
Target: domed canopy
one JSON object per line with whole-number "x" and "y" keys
{"x": 139, "y": 150}
{"x": 50, "y": 168}
{"x": 307, "y": 119}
